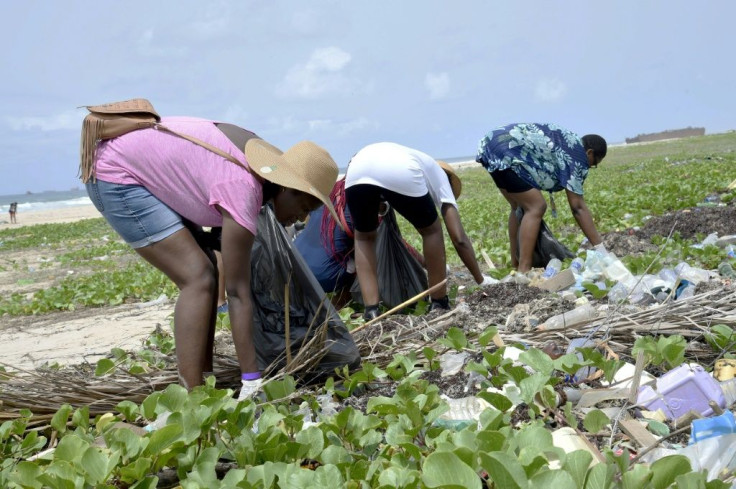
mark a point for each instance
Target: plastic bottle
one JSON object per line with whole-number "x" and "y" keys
{"x": 691, "y": 274}
{"x": 577, "y": 266}
{"x": 618, "y": 293}
{"x": 553, "y": 267}
{"x": 729, "y": 391}
{"x": 726, "y": 270}
{"x": 578, "y": 315}
{"x": 730, "y": 251}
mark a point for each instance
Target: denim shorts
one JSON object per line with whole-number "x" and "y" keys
{"x": 138, "y": 216}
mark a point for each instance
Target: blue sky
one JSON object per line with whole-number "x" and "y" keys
{"x": 433, "y": 75}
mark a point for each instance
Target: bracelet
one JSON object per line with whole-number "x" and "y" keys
{"x": 251, "y": 376}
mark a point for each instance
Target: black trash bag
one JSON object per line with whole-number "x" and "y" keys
{"x": 400, "y": 275}
{"x": 547, "y": 246}
{"x": 274, "y": 263}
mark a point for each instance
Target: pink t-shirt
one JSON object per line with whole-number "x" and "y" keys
{"x": 188, "y": 178}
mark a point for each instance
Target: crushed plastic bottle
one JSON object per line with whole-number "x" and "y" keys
{"x": 691, "y": 274}
{"x": 553, "y": 268}
{"x": 685, "y": 290}
{"x": 726, "y": 270}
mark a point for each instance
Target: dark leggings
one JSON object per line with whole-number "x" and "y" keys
{"x": 364, "y": 200}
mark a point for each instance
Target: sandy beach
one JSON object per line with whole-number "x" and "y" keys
{"x": 67, "y": 214}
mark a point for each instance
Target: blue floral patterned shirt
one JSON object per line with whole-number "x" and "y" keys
{"x": 546, "y": 156}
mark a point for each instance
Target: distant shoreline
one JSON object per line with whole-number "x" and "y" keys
{"x": 50, "y": 216}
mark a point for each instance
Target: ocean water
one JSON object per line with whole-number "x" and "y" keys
{"x": 52, "y": 199}
{"x": 59, "y": 199}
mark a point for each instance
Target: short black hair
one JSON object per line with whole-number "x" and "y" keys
{"x": 597, "y": 144}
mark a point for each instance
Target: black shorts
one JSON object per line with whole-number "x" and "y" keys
{"x": 364, "y": 200}
{"x": 509, "y": 181}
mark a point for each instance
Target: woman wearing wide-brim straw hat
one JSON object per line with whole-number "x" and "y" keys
{"x": 415, "y": 185}
{"x": 148, "y": 182}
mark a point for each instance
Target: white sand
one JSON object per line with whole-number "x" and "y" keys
{"x": 66, "y": 214}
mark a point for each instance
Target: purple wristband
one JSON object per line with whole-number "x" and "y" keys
{"x": 251, "y": 376}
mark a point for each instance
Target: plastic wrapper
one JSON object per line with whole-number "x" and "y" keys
{"x": 274, "y": 263}
{"x": 547, "y": 246}
{"x": 400, "y": 275}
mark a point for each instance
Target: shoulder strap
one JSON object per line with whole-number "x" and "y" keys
{"x": 205, "y": 145}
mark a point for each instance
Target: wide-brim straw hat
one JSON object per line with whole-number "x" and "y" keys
{"x": 305, "y": 166}
{"x": 455, "y": 182}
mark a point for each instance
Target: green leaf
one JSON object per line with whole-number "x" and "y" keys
{"x": 455, "y": 338}
{"x": 531, "y": 385}
{"x": 95, "y": 465}
{"x": 600, "y": 477}
{"x": 557, "y": 479}
{"x": 136, "y": 470}
{"x": 721, "y": 337}
{"x": 104, "y": 367}
{"x": 314, "y": 439}
{"x": 666, "y": 469}
{"x": 279, "y": 389}
{"x": 595, "y": 420}
{"x": 163, "y": 438}
{"x": 335, "y": 455}
{"x": 504, "y": 470}
{"x": 499, "y": 401}
{"x": 447, "y": 470}
{"x": 637, "y": 477}
{"x": 26, "y": 474}
{"x": 657, "y": 427}
{"x": 70, "y": 448}
{"x": 147, "y": 483}
{"x": 538, "y": 360}
{"x": 485, "y": 338}
{"x": 60, "y": 418}
{"x": 576, "y": 464}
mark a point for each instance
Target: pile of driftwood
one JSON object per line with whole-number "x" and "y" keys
{"x": 44, "y": 391}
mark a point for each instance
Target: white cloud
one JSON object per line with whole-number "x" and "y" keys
{"x": 322, "y": 74}
{"x": 314, "y": 127}
{"x": 58, "y": 122}
{"x": 550, "y": 90}
{"x": 438, "y": 85}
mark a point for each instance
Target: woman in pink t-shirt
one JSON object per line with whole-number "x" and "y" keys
{"x": 148, "y": 183}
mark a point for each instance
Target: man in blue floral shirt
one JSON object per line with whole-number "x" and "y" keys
{"x": 526, "y": 158}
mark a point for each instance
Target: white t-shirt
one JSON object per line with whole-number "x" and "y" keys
{"x": 400, "y": 169}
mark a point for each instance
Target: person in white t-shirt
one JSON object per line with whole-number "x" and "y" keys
{"x": 415, "y": 184}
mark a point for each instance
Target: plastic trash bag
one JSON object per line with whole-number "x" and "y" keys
{"x": 274, "y": 263}
{"x": 547, "y": 246}
{"x": 400, "y": 275}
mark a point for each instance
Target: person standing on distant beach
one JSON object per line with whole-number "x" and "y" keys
{"x": 415, "y": 184}
{"x": 13, "y": 209}
{"x": 526, "y": 158}
{"x": 147, "y": 181}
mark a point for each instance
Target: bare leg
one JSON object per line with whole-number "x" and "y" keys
{"x": 183, "y": 261}
{"x": 433, "y": 244}
{"x": 366, "y": 265}
{"x": 221, "y": 296}
{"x": 534, "y": 206}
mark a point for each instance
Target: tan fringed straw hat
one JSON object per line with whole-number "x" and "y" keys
{"x": 455, "y": 182}
{"x": 305, "y": 166}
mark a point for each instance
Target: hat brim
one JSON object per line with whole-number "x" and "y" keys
{"x": 455, "y": 182}
{"x": 268, "y": 162}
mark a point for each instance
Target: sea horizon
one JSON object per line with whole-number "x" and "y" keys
{"x": 59, "y": 199}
